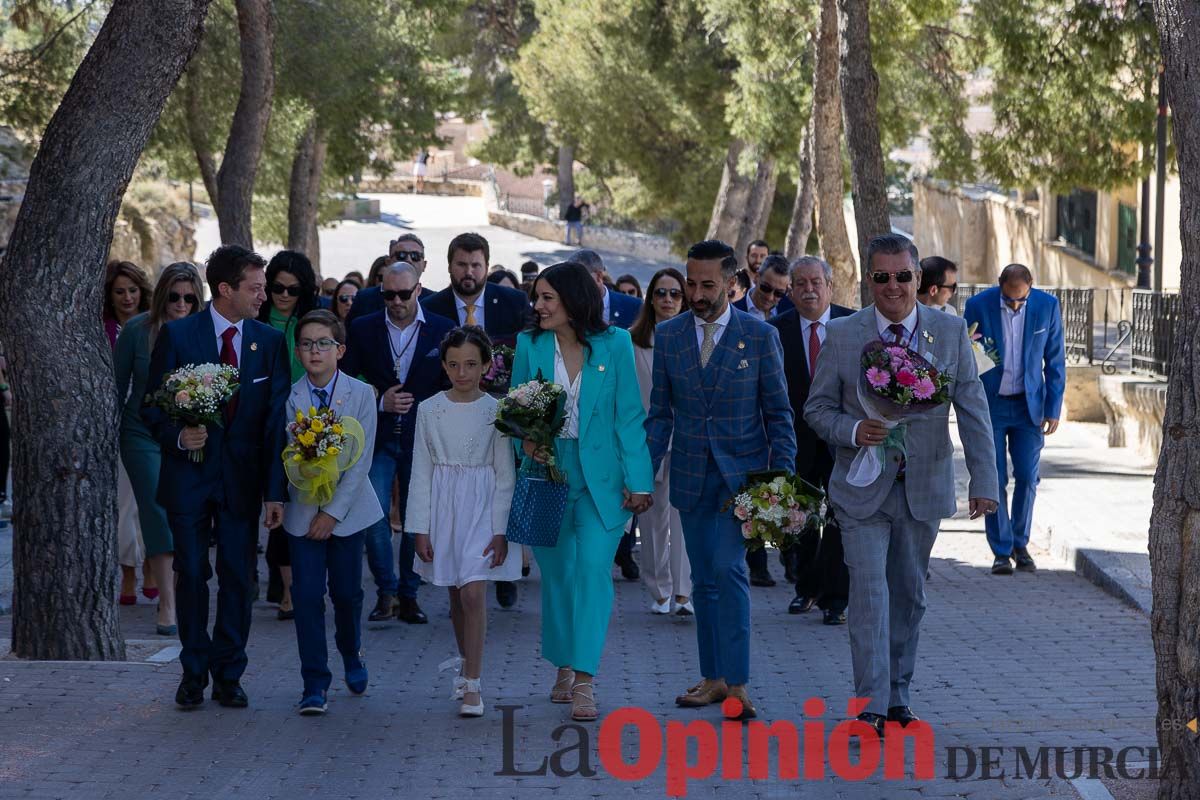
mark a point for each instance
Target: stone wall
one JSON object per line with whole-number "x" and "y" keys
{"x": 1134, "y": 407}
{"x": 450, "y": 188}
{"x": 627, "y": 243}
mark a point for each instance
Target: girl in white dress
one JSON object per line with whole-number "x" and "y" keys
{"x": 458, "y": 498}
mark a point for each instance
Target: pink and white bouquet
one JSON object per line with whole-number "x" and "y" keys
{"x": 196, "y": 394}
{"x": 536, "y": 411}
{"x": 777, "y": 508}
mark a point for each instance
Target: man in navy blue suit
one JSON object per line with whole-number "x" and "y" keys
{"x": 223, "y": 494}
{"x": 1025, "y": 397}
{"x": 396, "y": 351}
{"x": 409, "y": 248}
{"x": 471, "y": 300}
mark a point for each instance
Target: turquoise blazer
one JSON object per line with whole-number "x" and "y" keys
{"x": 612, "y": 436}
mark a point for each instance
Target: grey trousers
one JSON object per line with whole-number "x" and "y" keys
{"x": 887, "y": 555}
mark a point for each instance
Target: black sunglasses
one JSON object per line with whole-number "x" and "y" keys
{"x": 345, "y": 298}
{"x": 410, "y": 257}
{"x": 779, "y": 293}
{"x": 292, "y": 291}
{"x": 903, "y": 276}
{"x": 953, "y": 287}
{"x": 674, "y": 293}
{"x": 391, "y": 294}
{"x": 175, "y": 297}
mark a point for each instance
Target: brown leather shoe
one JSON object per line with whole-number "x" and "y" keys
{"x": 748, "y": 710}
{"x": 704, "y": 693}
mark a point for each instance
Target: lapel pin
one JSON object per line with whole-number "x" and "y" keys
{"x": 254, "y": 345}
{"x": 600, "y": 368}
{"x": 741, "y": 345}
{"x": 743, "y": 364}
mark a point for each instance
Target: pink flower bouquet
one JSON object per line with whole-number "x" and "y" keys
{"x": 777, "y": 509}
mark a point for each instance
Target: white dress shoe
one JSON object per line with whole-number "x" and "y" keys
{"x": 465, "y": 710}
{"x": 660, "y": 608}
{"x": 685, "y": 609}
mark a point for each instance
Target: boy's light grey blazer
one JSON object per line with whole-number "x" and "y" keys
{"x": 354, "y": 503}
{"x": 833, "y": 409}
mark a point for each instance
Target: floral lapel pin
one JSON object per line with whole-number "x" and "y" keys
{"x": 741, "y": 345}
{"x": 254, "y": 345}
{"x": 927, "y": 336}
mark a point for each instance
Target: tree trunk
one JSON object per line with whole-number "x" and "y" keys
{"x": 304, "y": 194}
{"x": 860, "y": 93}
{"x": 800, "y": 227}
{"x": 566, "y": 178}
{"x": 752, "y": 221}
{"x": 1175, "y": 519}
{"x": 832, "y": 235}
{"x": 732, "y": 196}
{"x": 239, "y": 164}
{"x": 65, "y": 510}
{"x": 205, "y": 159}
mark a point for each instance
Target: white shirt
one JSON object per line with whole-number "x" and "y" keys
{"x": 327, "y": 389}
{"x": 1012, "y": 379}
{"x": 604, "y": 299}
{"x": 220, "y": 324}
{"x": 909, "y": 323}
{"x": 571, "y": 426}
{"x": 754, "y": 310}
{"x": 461, "y": 306}
{"x": 721, "y": 323}
{"x": 403, "y": 346}
{"x": 806, "y": 325}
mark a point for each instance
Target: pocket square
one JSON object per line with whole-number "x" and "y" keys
{"x": 1043, "y": 330}
{"x": 743, "y": 364}
{"x": 260, "y": 380}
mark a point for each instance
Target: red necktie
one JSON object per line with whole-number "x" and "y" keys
{"x": 814, "y": 348}
{"x": 229, "y": 358}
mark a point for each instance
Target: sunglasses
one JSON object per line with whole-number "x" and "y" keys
{"x": 674, "y": 294}
{"x": 291, "y": 291}
{"x": 779, "y": 293}
{"x": 391, "y": 294}
{"x": 322, "y": 345}
{"x": 175, "y": 297}
{"x": 345, "y": 298}
{"x": 953, "y": 287}
{"x": 412, "y": 258}
{"x": 903, "y": 276}
{"x": 1014, "y": 302}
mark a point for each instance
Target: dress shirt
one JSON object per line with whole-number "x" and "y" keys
{"x": 327, "y": 388}
{"x": 1012, "y": 379}
{"x": 461, "y": 307}
{"x": 822, "y": 326}
{"x": 220, "y": 324}
{"x": 909, "y": 323}
{"x": 570, "y": 428}
{"x": 604, "y": 300}
{"x": 722, "y": 322}
{"x": 403, "y": 345}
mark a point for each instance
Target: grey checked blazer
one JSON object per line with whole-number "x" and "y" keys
{"x": 833, "y": 409}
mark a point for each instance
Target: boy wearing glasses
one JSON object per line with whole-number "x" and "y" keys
{"x": 326, "y": 542}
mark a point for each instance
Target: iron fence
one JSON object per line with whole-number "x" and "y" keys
{"x": 1155, "y": 315}
{"x": 1078, "y": 316}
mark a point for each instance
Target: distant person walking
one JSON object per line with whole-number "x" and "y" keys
{"x": 576, "y": 212}
{"x": 420, "y": 166}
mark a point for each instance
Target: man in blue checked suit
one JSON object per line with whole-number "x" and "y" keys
{"x": 1025, "y": 396}
{"x": 720, "y": 401}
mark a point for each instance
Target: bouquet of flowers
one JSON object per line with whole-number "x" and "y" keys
{"x": 195, "y": 395}
{"x": 534, "y": 411}
{"x": 496, "y": 380}
{"x": 984, "y": 348}
{"x": 323, "y": 445}
{"x": 896, "y": 384}
{"x": 777, "y": 508}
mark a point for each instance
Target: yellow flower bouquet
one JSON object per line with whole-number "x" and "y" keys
{"x": 323, "y": 446}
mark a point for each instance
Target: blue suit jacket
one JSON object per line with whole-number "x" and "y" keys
{"x": 743, "y": 305}
{"x": 242, "y": 464}
{"x": 622, "y": 309}
{"x": 1044, "y": 354}
{"x": 736, "y": 408}
{"x": 505, "y": 310}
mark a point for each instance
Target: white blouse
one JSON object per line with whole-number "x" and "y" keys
{"x": 571, "y": 426}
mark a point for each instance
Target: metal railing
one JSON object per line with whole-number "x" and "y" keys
{"x": 1155, "y": 315}
{"x": 524, "y": 205}
{"x": 1078, "y": 316}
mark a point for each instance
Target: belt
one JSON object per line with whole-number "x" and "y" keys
{"x": 1016, "y": 396}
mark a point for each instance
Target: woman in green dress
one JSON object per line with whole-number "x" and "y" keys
{"x": 291, "y": 293}
{"x": 179, "y": 293}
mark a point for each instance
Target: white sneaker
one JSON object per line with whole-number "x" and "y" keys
{"x": 465, "y": 710}
{"x": 685, "y": 609}
{"x": 660, "y": 608}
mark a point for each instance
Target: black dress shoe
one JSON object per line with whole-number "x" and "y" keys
{"x": 408, "y": 611}
{"x": 834, "y": 618}
{"x": 761, "y": 578}
{"x": 874, "y": 720}
{"x": 1024, "y": 560}
{"x": 283, "y": 615}
{"x": 230, "y": 694}
{"x": 506, "y": 593}
{"x": 525, "y": 571}
{"x": 629, "y": 567}
{"x": 190, "y": 693}
{"x": 901, "y": 714}
{"x": 385, "y": 608}
{"x": 1002, "y": 566}
{"x": 801, "y": 605}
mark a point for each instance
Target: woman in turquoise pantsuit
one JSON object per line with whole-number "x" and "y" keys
{"x": 179, "y": 293}
{"x": 602, "y": 453}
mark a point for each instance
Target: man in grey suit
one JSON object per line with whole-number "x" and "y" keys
{"x": 889, "y": 525}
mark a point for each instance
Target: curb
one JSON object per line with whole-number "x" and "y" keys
{"x": 1109, "y": 570}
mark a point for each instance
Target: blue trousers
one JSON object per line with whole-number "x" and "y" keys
{"x": 338, "y": 559}
{"x": 720, "y": 583}
{"x": 1017, "y": 435}
{"x": 389, "y": 461}
{"x": 224, "y": 654}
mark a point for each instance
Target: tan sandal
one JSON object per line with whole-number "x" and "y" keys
{"x": 583, "y": 708}
{"x": 562, "y": 692}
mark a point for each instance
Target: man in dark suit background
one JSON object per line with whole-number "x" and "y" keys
{"x": 222, "y": 495}
{"x": 471, "y": 300}
{"x": 764, "y": 300}
{"x": 396, "y": 351}
{"x": 407, "y": 248}
{"x": 817, "y": 562}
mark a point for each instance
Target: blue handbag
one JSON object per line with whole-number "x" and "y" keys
{"x": 538, "y": 505}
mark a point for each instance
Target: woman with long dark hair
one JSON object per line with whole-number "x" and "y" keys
{"x": 179, "y": 293}
{"x": 569, "y": 343}
{"x": 665, "y": 568}
{"x": 343, "y": 298}
{"x": 291, "y": 293}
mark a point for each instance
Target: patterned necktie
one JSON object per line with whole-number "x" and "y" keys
{"x": 814, "y": 348}
{"x": 322, "y": 397}
{"x": 899, "y": 332}
{"x": 709, "y": 343}
{"x": 470, "y": 315}
{"x": 229, "y": 358}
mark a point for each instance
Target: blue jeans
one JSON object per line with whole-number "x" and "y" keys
{"x": 390, "y": 461}
{"x": 339, "y": 558}
{"x": 577, "y": 227}
{"x": 1012, "y": 425}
